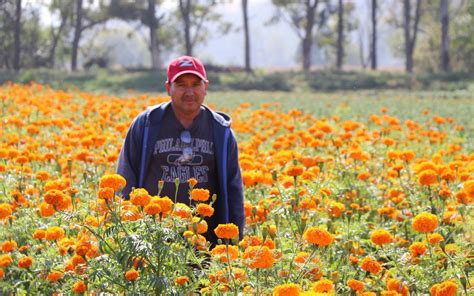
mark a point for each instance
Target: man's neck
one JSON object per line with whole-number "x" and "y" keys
{"x": 186, "y": 119}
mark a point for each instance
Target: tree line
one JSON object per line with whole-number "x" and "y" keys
{"x": 436, "y": 34}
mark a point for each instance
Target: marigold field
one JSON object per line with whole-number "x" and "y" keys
{"x": 351, "y": 204}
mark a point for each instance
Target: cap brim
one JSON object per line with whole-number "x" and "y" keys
{"x": 188, "y": 72}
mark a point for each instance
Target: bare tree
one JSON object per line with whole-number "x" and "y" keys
{"x": 444, "y": 18}
{"x": 64, "y": 9}
{"x": 17, "y": 36}
{"x": 373, "y": 43}
{"x": 410, "y": 31}
{"x": 302, "y": 15}
{"x": 248, "y": 68}
{"x": 340, "y": 35}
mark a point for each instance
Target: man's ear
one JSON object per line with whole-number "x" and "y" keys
{"x": 168, "y": 87}
{"x": 206, "y": 84}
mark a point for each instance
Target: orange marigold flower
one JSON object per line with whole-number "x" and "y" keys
{"x": 152, "y": 209}
{"x": 25, "y": 262}
{"x": 55, "y": 276}
{"x": 39, "y": 234}
{"x": 42, "y": 175}
{"x": 318, "y": 236}
{"x": 200, "y": 194}
{"x": 46, "y": 210}
{"x": 201, "y": 225}
{"x": 259, "y": 257}
{"x": 447, "y": 288}
{"x": 356, "y": 285}
{"x": 434, "y": 238}
{"x": 181, "y": 210}
{"x": 106, "y": 193}
{"x": 205, "y": 210}
{"x": 181, "y": 280}
{"x": 294, "y": 170}
{"x": 221, "y": 252}
{"x": 371, "y": 265}
{"x": 53, "y": 196}
{"x": 5, "y": 210}
{"x": 192, "y": 182}
{"x": 165, "y": 203}
{"x": 114, "y": 181}
{"x": 54, "y": 233}
{"x": 336, "y": 209}
{"x": 417, "y": 249}
{"x": 428, "y": 177}
{"x": 228, "y": 231}
{"x": 8, "y": 246}
{"x": 79, "y": 287}
{"x": 5, "y": 260}
{"x": 381, "y": 237}
{"x": 131, "y": 275}
{"x": 397, "y": 286}
{"x": 2, "y": 274}
{"x": 425, "y": 222}
{"x": 140, "y": 197}
{"x": 323, "y": 286}
{"x": 287, "y": 290}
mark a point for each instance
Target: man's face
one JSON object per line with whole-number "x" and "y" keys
{"x": 187, "y": 93}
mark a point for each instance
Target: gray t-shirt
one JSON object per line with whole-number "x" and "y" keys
{"x": 168, "y": 161}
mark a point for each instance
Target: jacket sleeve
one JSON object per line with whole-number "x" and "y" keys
{"x": 130, "y": 154}
{"x": 235, "y": 187}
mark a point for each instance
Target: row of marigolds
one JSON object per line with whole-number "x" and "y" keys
{"x": 332, "y": 206}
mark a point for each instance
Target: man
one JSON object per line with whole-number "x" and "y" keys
{"x": 184, "y": 139}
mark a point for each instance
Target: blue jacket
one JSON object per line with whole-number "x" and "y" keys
{"x": 137, "y": 149}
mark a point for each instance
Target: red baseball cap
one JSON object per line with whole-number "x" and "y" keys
{"x": 184, "y": 65}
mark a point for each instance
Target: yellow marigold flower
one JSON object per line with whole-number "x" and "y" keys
{"x": 381, "y": 237}
{"x": 425, "y": 222}
{"x": 229, "y": 231}
{"x": 54, "y": 233}
{"x": 55, "y": 276}
{"x": 221, "y": 251}
{"x": 8, "y": 246}
{"x": 371, "y": 265}
{"x": 323, "y": 286}
{"x": 200, "y": 194}
{"x": 131, "y": 275}
{"x": 139, "y": 197}
{"x": 447, "y": 288}
{"x": 205, "y": 210}
{"x": 79, "y": 287}
{"x": 114, "y": 181}
{"x": 25, "y": 262}
{"x": 428, "y": 177}
{"x": 181, "y": 280}
{"x": 259, "y": 257}
{"x": 356, "y": 285}
{"x": 318, "y": 236}
{"x": 287, "y": 290}
{"x": 5, "y": 210}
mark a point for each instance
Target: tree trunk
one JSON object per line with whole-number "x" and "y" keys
{"x": 406, "y": 29}
{"x": 55, "y": 38}
{"x": 154, "y": 49}
{"x": 340, "y": 35}
{"x": 185, "y": 11}
{"x": 17, "y": 36}
{"x": 248, "y": 68}
{"x": 308, "y": 33}
{"x": 77, "y": 35}
{"x": 444, "y": 17}
{"x": 373, "y": 45}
